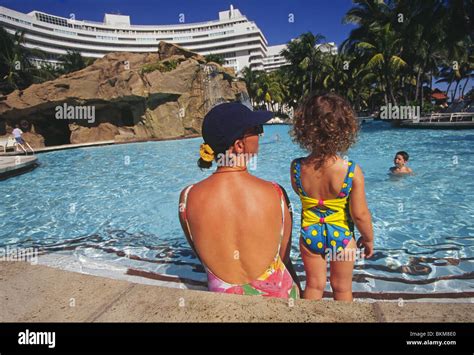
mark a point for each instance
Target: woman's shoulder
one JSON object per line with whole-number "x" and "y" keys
{"x": 184, "y": 192}
{"x": 266, "y": 188}
{"x": 193, "y": 187}
{"x": 265, "y": 183}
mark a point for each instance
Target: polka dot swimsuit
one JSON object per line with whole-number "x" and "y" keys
{"x": 325, "y": 223}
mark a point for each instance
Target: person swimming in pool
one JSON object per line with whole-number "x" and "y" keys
{"x": 400, "y": 161}
{"x": 238, "y": 225}
{"x": 331, "y": 190}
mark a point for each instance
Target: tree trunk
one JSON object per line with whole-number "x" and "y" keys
{"x": 464, "y": 87}
{"x": 422, "y": 98}
{"x": 385, "y": 97}
{"x": 422, "y": 73}
{"x": 447, "y": 90}
{"x": 417, "y": 91}
{"x": 389, "y": 87}
{"x": 455, "y": 90}
{"x": 404, "y": 90}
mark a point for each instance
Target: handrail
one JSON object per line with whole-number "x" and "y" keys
{"x": 451, "y": 114}
{"x": 25, "y": 150}
{"x": 29, "y": 146}
{"x": 438, "y": 116}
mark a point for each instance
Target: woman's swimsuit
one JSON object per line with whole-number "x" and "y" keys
{"x": 276, "y": 281}
{"x": 326, "y": 223}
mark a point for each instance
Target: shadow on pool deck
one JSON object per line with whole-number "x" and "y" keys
{"x": 36, "y": 293}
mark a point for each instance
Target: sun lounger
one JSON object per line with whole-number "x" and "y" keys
{"x": 6, "y": 143}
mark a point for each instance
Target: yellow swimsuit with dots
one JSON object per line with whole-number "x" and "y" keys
{"x": 326, "y": 223}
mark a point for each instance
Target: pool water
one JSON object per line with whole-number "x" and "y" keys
{"x": 112, "y": 210}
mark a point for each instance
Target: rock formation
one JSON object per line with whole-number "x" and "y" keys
{"x": 122, "y": 96}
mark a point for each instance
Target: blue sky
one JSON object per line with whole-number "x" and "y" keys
{"x": 317, "y": 16}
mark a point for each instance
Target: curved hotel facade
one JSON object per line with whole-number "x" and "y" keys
{"x": 232, "y": 36}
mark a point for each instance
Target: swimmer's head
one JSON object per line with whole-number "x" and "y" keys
{"x": 401, "y": 159}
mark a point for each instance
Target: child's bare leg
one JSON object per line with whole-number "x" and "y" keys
{"x": 315, "y": 267}
{"x": 341, "y": 273}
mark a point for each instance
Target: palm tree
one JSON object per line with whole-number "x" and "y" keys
{"x": 351, "y": 78}
{"x": 16, "y": 70}
{"x": 17, "y": 67}
{"x": 365, "y": 14}
{"x": 456, "y": 74}
{"x": 73, "y": 61}
{"x": 414, "y": 40}
{"x": 267, "y": 89}
{"x": 383, "y": 56}
{"x": 270, "y": 89}
{"x": 250, "y": 79}
{"x": 423, "y": 36}
{"x": 305, "y": 59}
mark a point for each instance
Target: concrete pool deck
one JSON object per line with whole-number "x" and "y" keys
{"x": 36, "y": 293}
{"x": 61, "y": 147}
{"x": 15, "y": 165}
{"x": 53, "y": 148}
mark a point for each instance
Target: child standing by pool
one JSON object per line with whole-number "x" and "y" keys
{"x": 400, "y": 161}
{"x": 332, "y": 194}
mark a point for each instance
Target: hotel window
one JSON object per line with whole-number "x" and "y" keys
{"x": 52, "y": 19}
{"x": 65, "y": 32}
{"x": 108, "y": 38}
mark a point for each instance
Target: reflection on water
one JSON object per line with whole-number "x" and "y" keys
{"x": 116, "y": 207}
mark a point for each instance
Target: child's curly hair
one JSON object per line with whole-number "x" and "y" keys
{"x": 325, "y": 125}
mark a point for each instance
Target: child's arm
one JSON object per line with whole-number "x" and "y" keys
{"x": 360, "y": 213}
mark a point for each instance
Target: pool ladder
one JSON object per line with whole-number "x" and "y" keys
{"x": 25, "y": 150}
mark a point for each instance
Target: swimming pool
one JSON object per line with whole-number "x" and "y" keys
{"x": 112, "y": 210}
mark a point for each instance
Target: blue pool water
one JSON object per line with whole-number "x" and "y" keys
{"x": 113, "y": 209}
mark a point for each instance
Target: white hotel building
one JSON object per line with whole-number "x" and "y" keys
{"x": 273, "y": 60}
{"x": 232, "y": 36}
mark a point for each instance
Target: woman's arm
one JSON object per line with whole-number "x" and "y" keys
{"x": 286, "y": 242}
{"x": 182, "y": 221}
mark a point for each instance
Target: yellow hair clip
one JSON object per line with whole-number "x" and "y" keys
{"x": 206, "y": 152}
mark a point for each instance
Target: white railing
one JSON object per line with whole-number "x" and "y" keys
{"x": 453, "y": 117}
{"x": 24, "y": 149}
{"x": 10, "y": 142}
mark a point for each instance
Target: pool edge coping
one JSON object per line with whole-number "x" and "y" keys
{"x": 101, "y": 299}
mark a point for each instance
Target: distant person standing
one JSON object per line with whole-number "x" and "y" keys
{"x": 17, "y": 133}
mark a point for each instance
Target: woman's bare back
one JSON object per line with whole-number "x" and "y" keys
{"x": 236, "y": 222}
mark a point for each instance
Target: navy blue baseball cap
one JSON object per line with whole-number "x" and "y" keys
{"x": 227, "y": 122}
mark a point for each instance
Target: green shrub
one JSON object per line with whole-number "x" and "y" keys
{"x": 162, "y": 66}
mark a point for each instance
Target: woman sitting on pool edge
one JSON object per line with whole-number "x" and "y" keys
{"x": 238, "y": 225}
